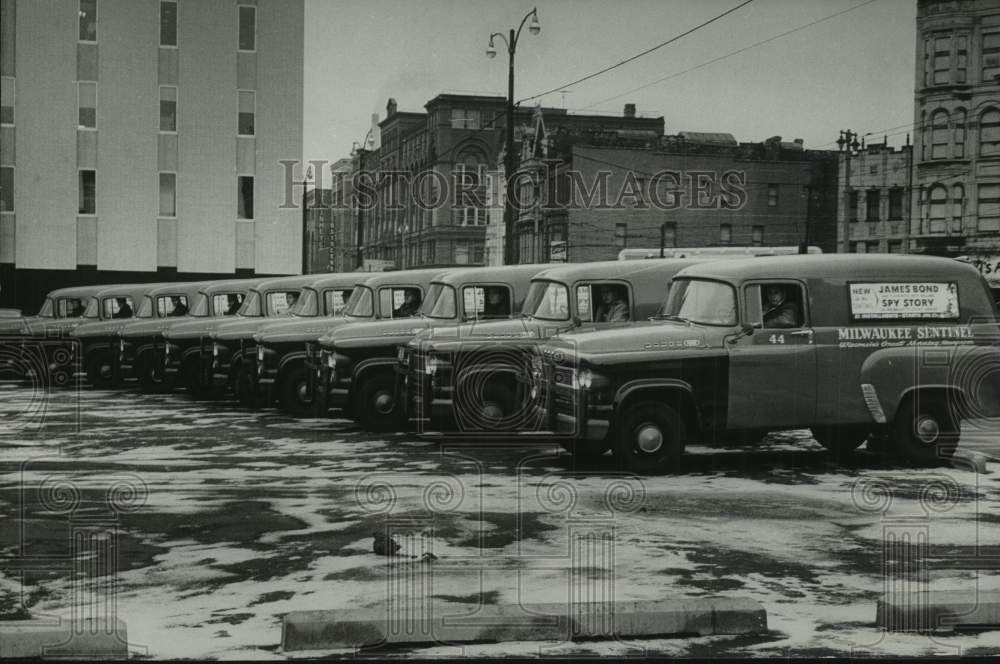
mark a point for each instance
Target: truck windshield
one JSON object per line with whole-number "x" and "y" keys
{"x": 702, "y": 302}
{"x": 440, "y": 302}
{"x": 360, "y": 304}
{"x": 146, "y": 308}
{"x": 547, "y": 300}
{"x": 251, "y": 306}
{"x": 200, "y": 307}
{"x": 307, "y": 304}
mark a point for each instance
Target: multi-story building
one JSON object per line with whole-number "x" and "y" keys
{"x": 606, "y": 191}
{"x": 329, "y": 222}
{"x": 458, "y": 139}
{"x": 956, "y": 176}
{"x": 875, "y": 190}
{"x": 143, "y": 140}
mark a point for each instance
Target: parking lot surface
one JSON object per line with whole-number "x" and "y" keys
{"x": 223, "y": 520}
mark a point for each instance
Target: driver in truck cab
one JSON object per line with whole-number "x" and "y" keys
{"x": 782, "y": 312}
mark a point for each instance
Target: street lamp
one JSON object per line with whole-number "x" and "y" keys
{"x": 510, "y": 255}
{"x": 305, "y": 220}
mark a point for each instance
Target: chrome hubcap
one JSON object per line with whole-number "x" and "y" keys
{"x": 928, "y": 429}
{"x": 649, "y": 438}
{"x": 492, "y": 411}
{"x": 383, "y": 402}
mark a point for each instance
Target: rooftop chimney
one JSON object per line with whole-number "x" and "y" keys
{"x": 630, "y": 110}
{"x": 390, "y": 108}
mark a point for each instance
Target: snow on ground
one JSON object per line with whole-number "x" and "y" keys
{"x": 226, "y": 520}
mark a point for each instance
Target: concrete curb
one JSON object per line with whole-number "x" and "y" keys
{"x": 61, "y": 639}
{"x": 440, "y": 624}
{"x": 938, "y": 611}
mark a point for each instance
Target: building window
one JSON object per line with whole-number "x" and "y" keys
{"x": 959, "y": 134}
{"x": 621, "y": 235}
{"x": 168, "y": 194}
{"x": 87, "y": 102}
{"x": 961, "y": 58}
{"x": 6, "y": 188}
{"x": 872, "y": 199}
{"x": 772, "y": 195}
{"x": 247, "y": 103}
{"x": 88, "y": 192}
{"x": 895, "y": 203}
{"x": 989, "y": 207}
{"x": 726, "y": 234}
{"x": 461, "y": 252}
{"x": 852, "y": 206}
{"x": 88, "y": 20}
{"x": 248, "y": 28}
{"x": 464, "y": 119}
{"x": 168, "y": 23}
{"x": 669, "y": 231}
{"x": 957, "y": 206}
{"x": 244, "y": 197}
{"x": 938, "y": 212}
{"x": 991, "y": 56}
{"x": 473, "y": 216}
{"x": 757, "y": 236}
{"x": 939, "y": 135}
{"x": 941, "y": 61}
{"x": 989, "y": 132}
{"x": 895, "y": 246}
{"x": 168, "y": 108}
{"x": 7, "y": 100}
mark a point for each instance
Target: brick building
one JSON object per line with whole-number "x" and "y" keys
{"x": 692, "y": 190}
{"x": 458, "y": 137}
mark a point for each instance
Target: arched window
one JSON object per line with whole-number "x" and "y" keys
{"x": 939, "y": 135}
{"x": 938, "y": 209}
{"x": 989, "y": 132}
{"x": 959, "y": 118}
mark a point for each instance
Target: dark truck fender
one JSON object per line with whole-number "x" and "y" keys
{"x": 968, "y": 375}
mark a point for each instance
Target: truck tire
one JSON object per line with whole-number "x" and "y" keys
{"x": 152, "y": 379}
{"x": 375, "y": 404}
{"x": 840, "y": 440}
{"x": 925, "y": 433}
{"x": 650, "y": 438}
{"x": 294, "y": 394}
{"x": 100, "y": 373}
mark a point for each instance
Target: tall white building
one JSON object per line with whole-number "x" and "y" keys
{"x": 142, "y": 139}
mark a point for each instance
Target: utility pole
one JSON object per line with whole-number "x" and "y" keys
{"x": 847, "y": 144}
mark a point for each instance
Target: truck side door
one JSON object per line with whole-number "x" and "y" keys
{"x": 772, "y": 369}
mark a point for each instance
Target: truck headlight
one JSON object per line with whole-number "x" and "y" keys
{"x": 331, "y": 361}
{"x": 401, "y": 353}
{"x": 584, "y": 379}
{"x": 260, "y": 353}
{"x": 121, "y": 345}
{"x": 431, "y": 366}
{"x": 166, "y": 351}
{"x": 215, "y": 349}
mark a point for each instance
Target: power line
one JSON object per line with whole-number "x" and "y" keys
{"x": 729, "y": 55}
{"x": 639, "y": 55}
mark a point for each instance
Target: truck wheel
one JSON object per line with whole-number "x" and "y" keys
{"x": 151, "y": 375}
{"x": 651, "y": 438}
{"x": 294, "y": 394}
{"x": 925, "y": 433}
{"x": 243, "y": 389}
{"x": 375, "y": 405}
{"x": 840, "y": 440}
{"x": 100, "y": 373}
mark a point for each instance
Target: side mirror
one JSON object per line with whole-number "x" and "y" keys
{"x": 748, "y": 328}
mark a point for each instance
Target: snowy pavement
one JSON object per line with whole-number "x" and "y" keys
{"x": 223, "y": 520}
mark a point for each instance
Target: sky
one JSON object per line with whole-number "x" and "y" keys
{"x": 854, "y": 71}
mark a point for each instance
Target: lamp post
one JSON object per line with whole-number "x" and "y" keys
{"x": 305, "y": 220}
{"x": 510, "y": 253}
{"x": 847, "y": 144}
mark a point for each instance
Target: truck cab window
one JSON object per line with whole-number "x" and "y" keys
{"x": 486, "y": 302}
{"x": 776, "y": 305}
